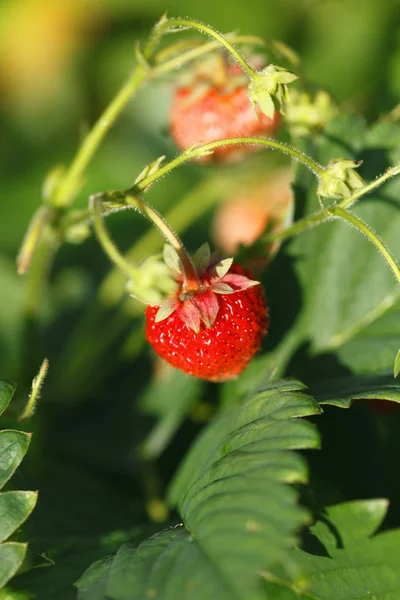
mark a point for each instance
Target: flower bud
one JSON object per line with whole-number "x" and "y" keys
{"x": 152, "y": 281}
{"x": 305, "y": 113}
{"x": 268, "y": 84}
{"x": 339, "y": 179}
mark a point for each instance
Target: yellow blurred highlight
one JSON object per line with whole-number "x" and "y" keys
{"x": 38, "y": 39}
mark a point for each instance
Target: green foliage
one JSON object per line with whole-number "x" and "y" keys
{"x": 239, "y": 514}
{"x": 15, "y": 507}
{"x": 113, "y": 431}
{"x": 357, "y": 563}
{"x": 169, "y": 397}
{"x": 351, "y": 300}
{"x": 342, "y": 392}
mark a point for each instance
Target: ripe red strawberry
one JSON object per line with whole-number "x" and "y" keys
{"x": 207, "y": 111}
{"x": 213, "y": 331}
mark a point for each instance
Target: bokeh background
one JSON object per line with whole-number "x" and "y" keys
{"x": 62, "y": 61}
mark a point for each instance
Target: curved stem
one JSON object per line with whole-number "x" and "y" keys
{"x": 203, "y": 28}
{"x": 108, "y": 245}
{"x": 35, "y": 391}
{"x": 318, "y": 217}
{"x": 72, "y": 179}
{"x": 195, "y": 53}
{"x": 186, "y": 47}
{"x": 205, "y": 149}
{"x": 192, "y": 280}
{"x": 297, "y": 228}
{"x": 126, "y": 199}
{"x": 32, "y": 238}
{"x": 369, "y": 187}
{"x": 66, "y": 191}
{"x": 370, "y": 234}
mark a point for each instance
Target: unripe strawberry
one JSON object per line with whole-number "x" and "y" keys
{"x": 243, "y": 218}
{"x": 212, "y": 108}
{"x": 213, "y": 331}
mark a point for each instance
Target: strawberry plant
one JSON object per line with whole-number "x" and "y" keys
{"x": 15, "y": 506}
{"x": 190, "y": 441}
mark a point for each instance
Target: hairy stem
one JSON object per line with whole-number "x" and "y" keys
{"x": 203, "y": 150}
{"x": 369, "y": 187}
{"x": 108, "y": 245}
{"x": 191, "y": 278}
{"x": 324, "y": 214}
{"x": 371, "y": 235}
{"x": 71, "y": 181}
{"x": 206, "y": 29}
{"x": 32, "y": 238}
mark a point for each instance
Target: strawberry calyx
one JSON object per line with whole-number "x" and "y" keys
{"x": 199, "y": 303}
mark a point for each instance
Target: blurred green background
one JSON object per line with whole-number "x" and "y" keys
{"x": 60, "y": 64}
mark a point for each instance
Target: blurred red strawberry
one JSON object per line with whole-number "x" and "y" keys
{"x": 215, "y": 105}
{"x": 243, "y": 218}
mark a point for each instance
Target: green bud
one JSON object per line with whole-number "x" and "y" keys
{"x": 150, "y": 169}
{"x": 77, "y": 234}
{"x": 269, "y": 84}
{"x": 152, "y": 282}
{"x": 339, "y": 179}
{"x": 306, "y": 113}
{"x": 52, "y": 182}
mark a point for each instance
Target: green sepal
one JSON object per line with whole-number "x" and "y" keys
{"x": 339, "y": 179}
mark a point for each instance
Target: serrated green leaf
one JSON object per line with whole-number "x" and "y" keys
{"x": 353, "y": 521}
{"x": 7, "y": 390}
{"x": 280, "y": 400}
{"x": 13, "y": 447}
{"x": 239, "y": 516}
{"x": 341, "y": 392}
{"x": 15, "y": 508}
{"x": 351, "y": 301}
{"x": 358, "y": 565}
{"x": 94, "y": 581}
{"x": 11, "y": 558}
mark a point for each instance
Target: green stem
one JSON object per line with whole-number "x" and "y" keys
{"x": 369, "y": 187}
{"x": 190, "y": 274}
{"x": 32, "y": 238}
{"x": 181, "y": 216}
{"x": 321, "y": 216}
{"x": 35, "y": 391}
{"x": 371, "y": 235}
{"x": 71, "y": 181}
{"x": 191, "y": 278}
{"x": 35, "y": 293}
{"x": 297, "y": 228}
{"x": 203, "y": 28}
{"x": 200, "y": 151}
{"x": 39, "y": 273}
{"x": 195, "y": 52}
{"x": 108, "y": 245}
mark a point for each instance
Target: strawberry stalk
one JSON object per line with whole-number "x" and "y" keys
{"x": 191, "y": 279}
{"x": 166, "y": 25}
